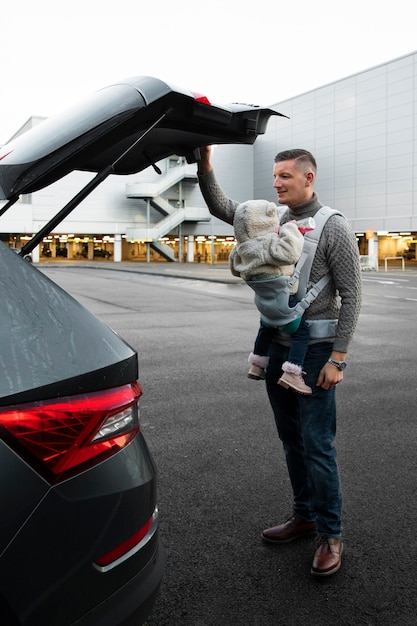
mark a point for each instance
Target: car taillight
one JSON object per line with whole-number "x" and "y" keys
{"x": 129, "y": 547}
{"x": 74, "y": 432}
{"x": 200, "y": 98}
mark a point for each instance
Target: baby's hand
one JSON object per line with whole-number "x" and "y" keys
{"x": 306, "y": 224}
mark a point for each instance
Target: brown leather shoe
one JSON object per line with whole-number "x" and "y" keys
{"x": 292, "y": 529}
{"x": 328, "y": 557}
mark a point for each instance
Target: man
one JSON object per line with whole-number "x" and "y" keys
{"x": 307, "y": 424}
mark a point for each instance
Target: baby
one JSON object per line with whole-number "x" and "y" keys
{"x": 266, "y": 250}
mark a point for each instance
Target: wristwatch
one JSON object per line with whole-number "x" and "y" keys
{"x": 341, "y": 365}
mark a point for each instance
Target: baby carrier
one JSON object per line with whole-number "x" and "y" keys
{"x": 272, "y": 294}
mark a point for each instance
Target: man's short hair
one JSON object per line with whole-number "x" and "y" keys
{"x": 302, "y": 156}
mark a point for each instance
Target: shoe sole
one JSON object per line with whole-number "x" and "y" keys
{"x": 287, "y": 386}
{"x": 328, "y": 573}
{"x": 254, "y": 377}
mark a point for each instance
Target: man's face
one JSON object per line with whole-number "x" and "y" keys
{"x": 293, "y": 184}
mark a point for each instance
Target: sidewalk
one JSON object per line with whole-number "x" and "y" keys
{"x": 219, "y": 273}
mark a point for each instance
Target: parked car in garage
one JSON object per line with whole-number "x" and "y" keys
{"x": 61, "y": 251}
{"x": 79, "y": 539}
{"x": 102, "y": 252}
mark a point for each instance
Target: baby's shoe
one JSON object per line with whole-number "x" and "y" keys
{"x": 292, "y": 379}
{"x": 256, "y": 372}
{"x": 257, "y": 366}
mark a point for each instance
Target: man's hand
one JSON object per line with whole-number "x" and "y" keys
{"x": 204, "y": 165}
{"x": 329, "y": 375}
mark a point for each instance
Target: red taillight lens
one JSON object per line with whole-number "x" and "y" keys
{"x": 200, "y": 98}
{"x": 74, "y": 431}
{"x": 124, "y": 550}
{"x": 3, "y": 156}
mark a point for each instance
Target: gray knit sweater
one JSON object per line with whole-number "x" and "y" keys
{"x": 337, "y": 252}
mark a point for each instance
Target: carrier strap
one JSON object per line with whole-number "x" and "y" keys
{"x": 306, "y": 292}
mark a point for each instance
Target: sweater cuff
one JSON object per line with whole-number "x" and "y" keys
{"x": 340, "y": 344}
{"x": 207, "y": 178}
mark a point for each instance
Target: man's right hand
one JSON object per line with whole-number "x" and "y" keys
{"x": 204, "y": 165}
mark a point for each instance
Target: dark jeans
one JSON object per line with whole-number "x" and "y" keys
{"x": 263, "y": 340}
{"x": 307, "y": 428}
{"x": 299, "y": 342}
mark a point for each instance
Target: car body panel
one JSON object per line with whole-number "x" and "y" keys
{"x": 115, "y": 127}
{"x": 112, "y": 499}
{"x": 38, "y": 318}
{"x": 51, "y": 531}
{"x": 21, "y": 489}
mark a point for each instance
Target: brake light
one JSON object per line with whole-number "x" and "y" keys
{"x": 129, "y": 547}
{"x": 75, "y": 431}
{"x": 3, "y": 156}
{"x": 198, "y": 97}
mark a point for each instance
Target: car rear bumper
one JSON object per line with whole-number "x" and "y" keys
{"x": 47, "y": 569}
{"x": 132, "y": 603}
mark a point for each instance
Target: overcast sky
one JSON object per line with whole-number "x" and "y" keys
{"x": 54, "y": 53}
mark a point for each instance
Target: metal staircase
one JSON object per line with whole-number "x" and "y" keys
{"x": 164, "y": 250}
{"x": 164, "y": 182}
{"x": 173, "y": 216}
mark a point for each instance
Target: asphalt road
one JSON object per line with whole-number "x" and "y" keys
{"x": 222, "y": 477}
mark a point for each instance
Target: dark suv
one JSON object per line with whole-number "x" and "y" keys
{"x": 79, "y": 540}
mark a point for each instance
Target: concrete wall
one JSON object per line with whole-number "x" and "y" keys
{"x": 362, "y": 132}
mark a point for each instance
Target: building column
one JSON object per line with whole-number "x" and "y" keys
{"x": 90, "y": 251}
{"x": 190, "y": 249}
{"x": 35, "y": 254}
{"x": 117, "y": 248}
{"x": 373, "y": 252}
